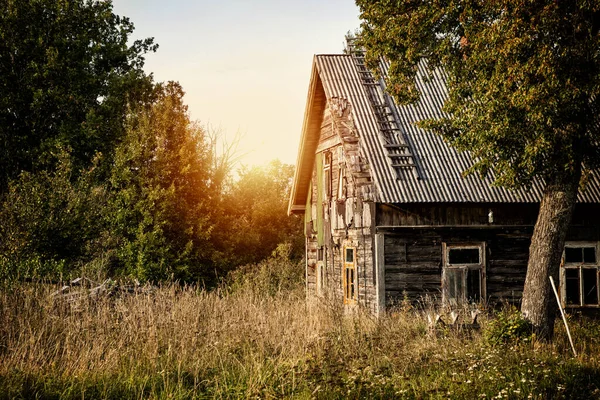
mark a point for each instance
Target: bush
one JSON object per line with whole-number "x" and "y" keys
{"x": 508, "y": 326}
{"x": 276, "y": 275}
{"x": 50, "y": 222}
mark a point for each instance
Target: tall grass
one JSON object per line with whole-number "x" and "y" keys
{"x": 259, "y": 338}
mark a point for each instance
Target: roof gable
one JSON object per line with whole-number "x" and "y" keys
{"x": 437, "y": 175}
{"x": 313, "y": 115}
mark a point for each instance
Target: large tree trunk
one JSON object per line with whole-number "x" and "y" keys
{"x": 545, "y": 253}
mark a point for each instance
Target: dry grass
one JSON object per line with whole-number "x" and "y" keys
{"x": 186, "y": 343}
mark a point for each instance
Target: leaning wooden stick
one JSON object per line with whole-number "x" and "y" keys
{"x": 563, "y": 316}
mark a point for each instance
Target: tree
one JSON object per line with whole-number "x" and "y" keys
{"x": 50, "y": 222}
{"x": 254, "y": 220}
{"x": 524, "y": 92}
{"x": 161, "y": 207}
{"x": 67, "y": 79}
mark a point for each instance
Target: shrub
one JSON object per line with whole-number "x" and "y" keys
{"x": 508, "y": 326}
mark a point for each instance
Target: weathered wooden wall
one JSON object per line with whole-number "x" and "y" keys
{"x": 413, "y": 237}
{"x": 348, "y": 216}
{"x": 409, "y": 237}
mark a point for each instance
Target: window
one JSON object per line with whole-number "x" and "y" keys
{"x": 350, "y": 278}
{"x": 463, "y": 276}
{"x": 321, "y": 268}
{"x": 327, "y": 174}
{"x": 579, "y": 275}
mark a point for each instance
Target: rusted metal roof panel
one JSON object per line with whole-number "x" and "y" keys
{"x": 439, "y": 167}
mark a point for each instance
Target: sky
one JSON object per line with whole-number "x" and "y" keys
{"x": 244, "y": 65}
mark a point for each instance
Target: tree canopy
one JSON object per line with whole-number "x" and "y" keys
{"x": 102, "y": 171}
{"x": 523, "y": 82}
{"x": 523, "y": 77}
{"x": 67, "y": 78}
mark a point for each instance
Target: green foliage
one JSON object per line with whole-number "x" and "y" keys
{"x": 67, "y": 74}
{"x": 183, "y": 342}
{"x": 50, "y": 222}
{"x": 102, "y": 171}
{"x": 523, "y": 78}
{"x": 508, "y": 326}
{"x": 160, "y": 210}
{"x": 253, "y": 218}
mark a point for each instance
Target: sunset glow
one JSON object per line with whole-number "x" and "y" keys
{"x": 244, "y": 64}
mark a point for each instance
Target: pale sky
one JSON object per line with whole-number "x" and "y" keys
{"x": 244, "y": 65}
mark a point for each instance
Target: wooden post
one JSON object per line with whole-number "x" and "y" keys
{"x": 563, "y": 316}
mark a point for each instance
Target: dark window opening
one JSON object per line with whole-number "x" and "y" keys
{"x": 572, "y": 286}
{"x": 579, "y": 255}
{"x": 350, "y": 255}
{"x": 473, "y": 285}
{"x": 589, "y": 255}
{"x": 590, "y": 286}
{"x": 463, "y": 256}
{"x": 320, "y": 254}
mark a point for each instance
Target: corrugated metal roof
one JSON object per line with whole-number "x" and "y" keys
{"x": 439, "y": 166}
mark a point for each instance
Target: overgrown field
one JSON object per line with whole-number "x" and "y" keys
{"x": 260, "y": 339}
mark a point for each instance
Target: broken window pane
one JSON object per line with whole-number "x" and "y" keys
{"x": 590, "y": 286}
{"x": 572, "y": 286}
{"x": 463, "y": 256}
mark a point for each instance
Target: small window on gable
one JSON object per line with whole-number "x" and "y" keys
{"x": 349, "y": 276}
{"x": 327, "y": 174}
{"x": 463, "y": 276}
{"x": 579, "y": 275}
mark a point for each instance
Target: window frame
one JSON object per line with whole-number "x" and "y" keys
{"x": 579, "y": 267}
{"x": 464, "y": 269}
{"x": 349, "y": 293}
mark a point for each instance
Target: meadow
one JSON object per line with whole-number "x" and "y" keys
{"x": 257, "y": 337}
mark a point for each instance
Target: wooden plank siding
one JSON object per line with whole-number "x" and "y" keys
{"x": 348, "y": 217}
{"x": 413, "y": 237}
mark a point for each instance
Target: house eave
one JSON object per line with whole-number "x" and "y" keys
{"x": 309, "y": 140}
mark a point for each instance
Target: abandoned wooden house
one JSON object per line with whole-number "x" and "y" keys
{"x": 390, "y": 216}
